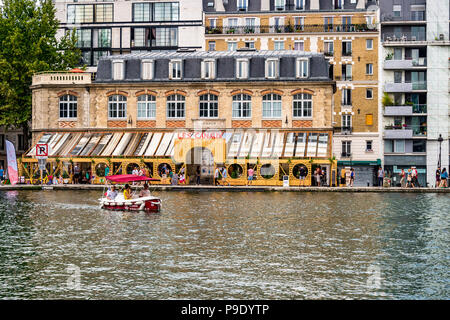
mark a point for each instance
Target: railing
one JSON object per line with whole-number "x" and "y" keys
{"x": 61, "y": 78}
{"x": 289, "y": 29}
{"x": 328, "y": 53}
{"x": 345, "y": 129}
{"x": 415, "y": 16}
{"x": 420, "y": 85}
{"x": 404, "y": 37}
{"x": 419, "y": 108}
{"x": 417, "y": 130}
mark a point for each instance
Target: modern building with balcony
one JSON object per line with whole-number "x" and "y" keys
{"x": 415, "y": 77}
{"x": 122, "y": 26}
{"x": 346, "y": 32}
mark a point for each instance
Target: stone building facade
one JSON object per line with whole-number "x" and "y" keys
{"x": 263, "y": 104}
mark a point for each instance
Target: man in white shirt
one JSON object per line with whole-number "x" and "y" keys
{"x": 112, "y": 193}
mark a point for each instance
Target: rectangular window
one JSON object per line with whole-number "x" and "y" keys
{"x": 118, "y": 70}
{"x": 20, "y": 142}
{"x": 328, "y": 48}
{"x": 104, "y": 38}
{"x": 397, "y": 9}
{"x": 208, "y": 69}
{"x": 98, "y": 55}
{"x": 399, "y": 146}
{"x": 299, "y": 46}
{"x": 369, "y": 145}
{"x": 242, "y": 68}
{"x": 80, "y": 13}
{"x": 279, "y": 4}
{"x": 271, "y": 68}
{"x": 369, "y": 93}
{"x": 250, "y": 44}
{"x": 165, "y": 37}
{"x": 346, "y": 122}
{"x": 302, "y": 68}
{"x": 147, "y": 69}
{"x": 278, "y": 45}
{"x": 346, "y": 148}
{"x": 166, "y": 11}
{"x": 398, "y": 53}
{"x": 369, "y": 119}
{"x": 242, "y": 5}
{"x": 299, "y": 4}
{"x": 212, "y": 46}
{"x": 347, "y": 72}
{"x": 346, "y": 97}
{"x": 419, "y": 145}
{"x": 175, "y": 69}
{"x": 84, "y": 38}
{"x": 299, "y": 23}
{"x": 346, "y": 48}
{"x": 142, "y": 12}
{"x": 369, "y": 44}
{"x": 2, "y": 142}
{"x": 86, "y": 57}
{"x": 232, "y": 46}
{"x": 103, "y": 13}
{"x": 369, "y": 69}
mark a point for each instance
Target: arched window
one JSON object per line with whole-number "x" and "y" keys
{"x": 242, "y": 106}
{"x": 302, "y": 105}
{"x": 209, "y": 106}
{"x": 175, "y": 106}
{"x": 68, "y": 106}
{"x": 272, "y": 106}
{"x": 117, "y": 107}
{"x": 146, "y": 107}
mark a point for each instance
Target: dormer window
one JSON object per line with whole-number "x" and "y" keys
{"x": 118, "y": 67}
{"x": 338, "y": 4}
{"x": 242, "y": 68}
{"x": 299, "y": 4}
{"x": 147, "y": 69}
{"x": 280, "y": 4}
{"x": 242, "y": 5}
{"x": 302, "y": 68}
{"x": 175, "y": 69}
{"x": 208, "y": 69}
{"x": 272, "y": 68}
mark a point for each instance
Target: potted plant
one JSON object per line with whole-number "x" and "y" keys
{"x": 389, "y": 56}
{"x": 65, "y": 177}
{"x": 387, "y": 101}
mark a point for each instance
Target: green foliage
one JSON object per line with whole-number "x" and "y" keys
{"x": 28, "y": 45}
{"x": 387, "y": 101}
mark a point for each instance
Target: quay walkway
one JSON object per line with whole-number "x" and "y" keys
{"x": 210, "y": 188}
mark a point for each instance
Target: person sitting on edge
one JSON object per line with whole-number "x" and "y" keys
{"x": 144, "y": 192}
{"x": 112, "y": 193}
{"x": 127, "y": 192}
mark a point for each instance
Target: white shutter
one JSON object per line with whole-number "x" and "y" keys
{"x": 118, "y": 72}
{"x": 170, "y": 70}
{"x": 213, "y": 69}
{"x": 203, "y": 71}
{"x": 267, "y": 68}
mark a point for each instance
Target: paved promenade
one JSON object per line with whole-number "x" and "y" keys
{"x": 207, "y": 188}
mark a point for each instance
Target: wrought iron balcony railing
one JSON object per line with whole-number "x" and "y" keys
{"x": 289, "y": 29}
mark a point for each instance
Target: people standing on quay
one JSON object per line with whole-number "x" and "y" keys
{"x": 216, "y": 176}
{"x": 303, "y": 175}
{"x": 76, "y": 174}
{"x": 343, "y": 177}
{"x": 352, "y": 176}
{"x": 414, "y": 178}
{"x": 409, "y": 179}
{"x": 444, "y": 177}
{"x": 197, "y": 175}
{"x": 438, "y": 177}
{"x": 402, "y": 179}
{"x": 380, "y": 176}
{"x": 318, "y": 174}
{"x": 250, "y": 173}
{"x": 224, "y": 175}
{"x": 2, "y": 172}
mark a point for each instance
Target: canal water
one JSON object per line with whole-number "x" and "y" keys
{"x": 225, "y": 245}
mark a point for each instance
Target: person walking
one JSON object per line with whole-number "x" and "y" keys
{"x": 197, "y": 175}
{"x": 352, "y": 176}
{"x": 225, "y": 175}
{"x": 250, "y": 173}
{"x": 444, "y": 177}
{"x": 343, "y": 177}
{"x": 380, "y": 176}
{"x": 438, "y": 177}
{"x": 216, "y": 176}
{"x": 402, "y": 179}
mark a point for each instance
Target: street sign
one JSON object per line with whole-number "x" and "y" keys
{"x": 41, "y": 163}
{"x": 42, "y": 151}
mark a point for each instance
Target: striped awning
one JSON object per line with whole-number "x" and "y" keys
{"x": 240, "y": 143}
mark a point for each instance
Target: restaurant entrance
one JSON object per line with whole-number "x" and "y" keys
{"x": 200, "y": 158}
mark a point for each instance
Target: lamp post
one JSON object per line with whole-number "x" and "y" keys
{"x": 440, "y": 139}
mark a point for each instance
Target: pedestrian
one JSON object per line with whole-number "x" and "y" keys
{"x": 174, "y": 179}
{"x": 76, "y": 174}
{"x": 224, "y": 175}
{"x": 380, "y": 176}
{"x": 182, "y": 179}
{"x": 197, "y": 175}
{"x": 352, "y": 177}
{"x": 318, "y": 173}
{"x": 303, "y": 175}
{"x": 250, "y": 173}
{"x": 343, "y": 177}
{"x": 402, "y": 179}
{"x": 414, "y": 177}
{"x": 216, "y": 176}
{"x": 2, "y": 172}
{"x": 444, "y": 177}
{"x": 438, "y": 177}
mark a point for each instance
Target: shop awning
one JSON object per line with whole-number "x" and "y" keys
{"x": 238, "y": 143}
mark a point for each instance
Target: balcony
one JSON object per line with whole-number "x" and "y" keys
{"x": 347, "y": 53}
{"x": 315, "y": 28}
{"x": 405, "y": 131}
{"x": 402, "y": 39}
{"x": 343, "y": 130}
{"x": 405, "y": 64}
{"x": 61, "y": 78}
{"x": 405, "y": 110}
{"x": 415, "y": 16}
{"x": 390, "y": 87}
{"x": 346, "y": 155}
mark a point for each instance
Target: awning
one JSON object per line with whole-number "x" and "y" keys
{"x": 237, "y": 143}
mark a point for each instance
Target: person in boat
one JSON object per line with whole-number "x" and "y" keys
{"x": 112, "y": 193}
{"x": 144, "y": 192}
{"x": 127, "y": 193}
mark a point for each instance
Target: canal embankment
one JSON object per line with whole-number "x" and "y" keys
{"x": 207, "y": 188}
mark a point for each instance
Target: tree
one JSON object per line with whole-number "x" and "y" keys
{"x": 28, "y": 44}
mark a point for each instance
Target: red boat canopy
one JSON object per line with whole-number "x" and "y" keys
{"x": 129, "y": 178}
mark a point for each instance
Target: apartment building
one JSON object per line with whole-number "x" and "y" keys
{"x": 415, "y": 76}
{"x": 346, "y": 32}
{"x": 122, "y": 26}
{"x": 269, "y": 110}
